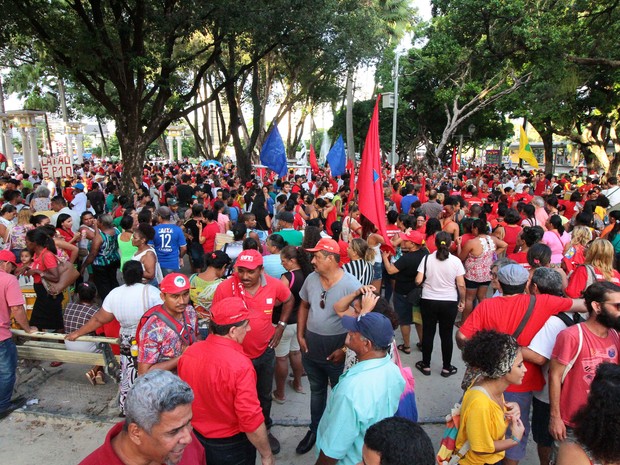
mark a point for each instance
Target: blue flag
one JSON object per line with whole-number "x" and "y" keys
{"x": 337, "y": 158}
{"x": 273, "y": 153}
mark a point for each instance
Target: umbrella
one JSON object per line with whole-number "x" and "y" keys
{"x": 211, "y": 163}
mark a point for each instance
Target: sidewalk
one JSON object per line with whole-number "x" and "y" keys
{"x": 71, "y": 417}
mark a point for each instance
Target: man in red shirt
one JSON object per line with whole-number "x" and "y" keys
{"x": 260, "y": 293}
{"x": 157, "y": 426}
{"x": 506, "y": 314}
{"x": 228, "y": 418}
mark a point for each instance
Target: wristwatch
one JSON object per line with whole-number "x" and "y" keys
{"x": 282, "y": 323}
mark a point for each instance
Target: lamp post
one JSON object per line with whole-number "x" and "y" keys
{"x": 395, "y": 115}
{"x": 471, "y": 129}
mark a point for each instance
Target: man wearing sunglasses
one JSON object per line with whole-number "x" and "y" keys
{"x": 577, "y": 352}
{"x": 319, "y": 329}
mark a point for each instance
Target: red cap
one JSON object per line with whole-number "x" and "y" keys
{"x": 33, "y": 172}
{"x": 174, "y": 283}
{"x": 229, "y": 311}
{"x": 250, "y": 259}
{"x": 327, "y": 245}
{"x": 414, "y": 236}
{"x": 7, "y": 256}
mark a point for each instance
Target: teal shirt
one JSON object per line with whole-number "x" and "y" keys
{"x": 367, "y": 393}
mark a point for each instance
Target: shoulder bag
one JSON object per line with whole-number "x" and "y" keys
{"x": 68, "y": 275}
{"x": 415, "y": 295}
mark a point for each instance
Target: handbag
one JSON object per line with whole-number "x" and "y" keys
{"x": 68, "y": 275}
{"x": 407, "y": 406}
{"x": 415, "y": 295}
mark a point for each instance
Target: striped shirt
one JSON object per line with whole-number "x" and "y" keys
{"x": 361, "y": 269}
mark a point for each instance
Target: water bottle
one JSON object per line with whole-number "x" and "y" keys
{"x": 134, "y": 348}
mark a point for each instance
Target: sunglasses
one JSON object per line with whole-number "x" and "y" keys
{"x": 322, "y": 302}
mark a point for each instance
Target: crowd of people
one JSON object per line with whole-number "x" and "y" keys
{"x": 288, "y": 274}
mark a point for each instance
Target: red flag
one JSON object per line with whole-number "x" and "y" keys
{"x": 351, "y": 169}
{"x": 369, "y": 180}
{"x": 455, "y": 164}
{"x": 313, "y": 163}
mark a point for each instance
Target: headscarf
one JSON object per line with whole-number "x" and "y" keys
{"x": 506, "y": 361}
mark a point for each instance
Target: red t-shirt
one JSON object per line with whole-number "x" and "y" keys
{"x": 579, "y": 278}
{"x": 504, "y": 314}
{"x": 194, "y": 452}
{"x": 224, "y": 384}
{"x": 511, "y": 232}
{"x": 594, "y": 351}
{"x": 46, "y": 261}
{"x": 209, "y": 231}
{"x": 344, "y": 256}
{"x": 270, "y": 293}
{"x": 396, "y": 198}
{"x": 520, "y": 258}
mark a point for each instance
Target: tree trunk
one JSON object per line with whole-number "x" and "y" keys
{"x": 133, "y": 151}
{"x": 349, "y": 119}
{"x": 614, "y": 165}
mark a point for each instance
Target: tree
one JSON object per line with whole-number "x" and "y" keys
{"x": 134, "y": 58}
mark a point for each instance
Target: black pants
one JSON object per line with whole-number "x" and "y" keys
{"x": 265, "y": 366}
{"x": 105, "y": 279}
{"x": 444, "y": 313}
{"x": 236, "y": 450}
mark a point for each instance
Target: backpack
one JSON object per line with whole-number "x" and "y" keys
{"x": 182, "y": 330}
{"x": 446, "y": 454}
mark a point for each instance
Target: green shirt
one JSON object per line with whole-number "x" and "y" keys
{"x": 291, "y": 236}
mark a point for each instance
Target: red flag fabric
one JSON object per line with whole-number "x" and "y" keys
{"x": 313, "y": 163}
{"x": 455, "y": 164}
{"x": 369, "y": 181}
{"x": 351, "y": 170}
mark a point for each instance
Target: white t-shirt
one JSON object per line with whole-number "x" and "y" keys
{"x": 613, "y": 194}
{"x": 440, "y": 283}
{"x": 78, "y": 203}
{"x": 128, "y": 304}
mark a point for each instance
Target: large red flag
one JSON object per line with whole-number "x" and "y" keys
{"x": 369, "y": 181}
{"x": 313, "y": 163}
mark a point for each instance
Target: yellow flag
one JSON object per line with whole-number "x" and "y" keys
{"x": 525, "y": 151}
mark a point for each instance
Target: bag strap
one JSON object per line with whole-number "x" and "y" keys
{"x": 568, "y": 367}
{"x": 570, "y": 320}
{"x": 591, "y": 279}
{"x": 526, "y": 317}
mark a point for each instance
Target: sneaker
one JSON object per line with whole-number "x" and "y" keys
{"x": 306, "y": 443}
{"x": 274, "y": 444}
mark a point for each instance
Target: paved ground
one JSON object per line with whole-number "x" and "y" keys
{"x": 72, "y": 417}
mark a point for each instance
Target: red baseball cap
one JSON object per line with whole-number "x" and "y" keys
{"x": 174, "y": 283}
{"x": 414, "y": 236}
{"x": 7, "y": 256}
{"x": 229, "y": 311}
{"x": 326, "y": 245}
{"x": 250, "y": 259}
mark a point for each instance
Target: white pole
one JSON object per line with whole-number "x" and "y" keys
{"x": 395, "y": 116}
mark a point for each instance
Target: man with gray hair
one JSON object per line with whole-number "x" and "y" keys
{"x": 157, "y": 427}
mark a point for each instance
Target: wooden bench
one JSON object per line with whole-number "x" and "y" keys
{"x": 40, "y": 346}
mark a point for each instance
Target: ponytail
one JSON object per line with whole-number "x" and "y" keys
{"x": 443, "y": 240}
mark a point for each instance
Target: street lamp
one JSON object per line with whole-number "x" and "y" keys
{"x": 471, "y": 129}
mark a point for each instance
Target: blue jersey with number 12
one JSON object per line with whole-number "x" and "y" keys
{"x": 169, "y": 239}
